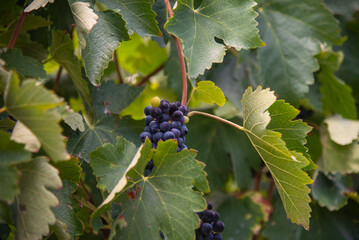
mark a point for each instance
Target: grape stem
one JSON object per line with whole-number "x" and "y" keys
{"x": 217, "y": 118}
{"x": 118, "y": 69}
{"x": 17, "y": 30}
{"x": 181, "y": 58}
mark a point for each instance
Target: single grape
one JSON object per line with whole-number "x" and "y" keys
{"x": 218, "y": 226}
{"x": 209, "y": 205}
{"x": 177, "y": 115}
{"x": 183, "y": 109}
{"x": 144, "y": 135}
{"x": 148, "y": 110}
{"x": 148, "y": 119}
{"x": 162, "y": 235}
{"x": 184, "y": 131}
{"x": 217, "y": 236}
{"x": 183, "y": 147}
{"x": 180, "y": 141}
{"x": 206, "y": 229}
{"x": 155, "y": 101}
{"x": 208, "y": 216}
{"x": 156, "y": 112}
{"x": 150, "y": 165}
{"x": 176, "y": 132}
{"x": 147, "y": 172}
{"x": 165, "y": 126}
{"x": 182, "y": 120}
{"x": 157, "y": 136}
{"x": 216, "y": 216}
{"x": 173, "y": 107}
{"x": 165, "y": 117}
{"x": 168, "y": 135}
{"x": 154, "y": 126}
{"x": 186, "y": 119}
{"x": 176, "y": 124}
{"x": 165, "y": 106}
{"x": 178, "y": 104}
{"x": 147, "y": 129}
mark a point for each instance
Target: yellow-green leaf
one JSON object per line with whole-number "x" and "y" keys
{"x": 208, "y": 92}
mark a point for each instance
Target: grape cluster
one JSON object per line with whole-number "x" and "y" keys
{"x": 164, "y": 121}
{"x": 210, "y": 227}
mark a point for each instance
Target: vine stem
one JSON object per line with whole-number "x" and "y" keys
{"x": 17, "y": 30}
{"x": 181, "y": 58}
{"x": 57, "y": 80}
{"x": 148, "y": 77}
{"x": 118, "y": 70}
{"x": 217, "y": 118}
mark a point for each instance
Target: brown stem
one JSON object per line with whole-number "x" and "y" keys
{"x": 57, "y": 80}
{"x": 257, "y": 180}
{"x": 17, "y": 30}
{"x": 181, "y": 58}
{"x": 118, "y": 70}
{"x": 217, "y": 118}
{"x": 147, "y": 78}
{"x": 89, "y": 197}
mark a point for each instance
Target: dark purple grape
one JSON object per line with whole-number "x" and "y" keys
{"x": 209, "y": 206}
{"x": 165, "y": 126}
{"x": 216, "y": 216}
{"x": 217, "y": 236}
{"x": 144, "y": 135}
{"x": 173, "y": 107}
{"x": 154, "y": 126}
{"x": 148, "y": 110}
{"x": 209, "y": 237}
{"x": 183, "y": 109}
{"x": 206, "y": 229}
{"x": 176, "y": 124}
{"x": 184, "y": 131}
{"x": 178, "y": 149}
{"x": 180, "y": 141}
{"x": 148, "y": 119}
{"x": 156, "y": 112}
{"x": 150, "y": 165}
{"x": 162, "y": 235}
{"x": 182, "y": 120}
{"x": 208, "y": 216}
{"x": 168, "y": 135}
{"x": 183, "y": 147}
{"x": 176, "y": 132}
{"x": 147, "y": 172}
{"x": 165, "y": 106}
{"x": 157, "y": 136}
{"x": 147, "y": 129}
{"x": 218, "y": 226}
{"x": 177, "y": 115}
{"x": 178, "y": 104}
{"x": 165, "y": 117}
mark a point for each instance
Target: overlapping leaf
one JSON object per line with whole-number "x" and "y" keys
{"x": 34, "y": 201}
{"x": 30, "y": 104}
{"x": 208, "y": 92}
{"x": 230, "y": 20}
{"x": 10, "y": 153}
{"x": 163, "y": 201}
{"x": 137, "y": 14}
{"x": 342, "y": 131}
{"x": 284, "y": 165}
{"x": 288, "y": 27}
{"x": 36, "y": 4}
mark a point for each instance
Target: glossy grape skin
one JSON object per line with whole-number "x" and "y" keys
{"x": 144, "y": 135}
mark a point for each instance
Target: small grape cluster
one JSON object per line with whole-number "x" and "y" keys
{"x": 164, "y": 121}
{"x": 210, "y": 227}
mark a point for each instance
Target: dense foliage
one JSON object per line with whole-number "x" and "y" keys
{"x": 166, "y": 119}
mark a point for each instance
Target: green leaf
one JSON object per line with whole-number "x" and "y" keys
{"x": 21, "y": 134}
{"x": 207, "y": 92}
{"x": 232, "y": 21}
{"x": 288, "y": 27}
{"x": 110, "y": 162}
{"x": 342, "y": 131}
{"x": 336, "y": 95}
{"x": 69, "y": 170}
{"x": 293, "y": 132}
{"x": 75, "y": 121}
{"x": 26, "y": 66}
{"x": 34, "y": 201}
{"x": 10, "y": 154}
{"x": 6, "y": 124}
{"x": 337, "y": 158}
{"x": 137, "y": 14}
{"x": 330, "y": 191}
{"x": 243, "y": 216}
{"x": 62, "y": 52}
{"x": 30, "y": 104}
{"x": 284, "y": 165}
{"x": 345, "y": 7}
{"x": 36, "y": 4}
{"x": 101, "y": 42}
{"x": 165, "y": 198}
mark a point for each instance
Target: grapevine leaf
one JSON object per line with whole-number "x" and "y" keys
{"x": 342, "y": 131}
{"x": 337, "y": 158}
{"x": 287, "y": 28}
{"x": 6, "y": 124}
{"x": 284, "y": 165}
{"x": 21, "y": 134}
{"x": 345, "y": 7}
{"x": 103, "y": 39}
{"x": 24, "y": 65}
{"x": 29, "y": 103}
{"x": 36, "y": 4}
{"x": 215, "y": 140}
{"x": 330, "y": 191}
{"x": 60, "y": 230}
{"x": 336, "y": 95}
{"x": 232, "y": 21}
{"x": 171, "y": 181}
{"x": 69, "y": 170}
{"x": 243, "y": 215}
{"x": 10, "y": 153}
{"x": 293, "y": 132}
{"x": 62, "y": 52}
{"x": 34, "y": 201}
{"x": 110, "y": 162}
{"x": 161, "y": 11}
{"x": 75, "y": 121}
{"x": 138, "y": 15}
{"x": 85, "y": 19}
{"x": 207, "y": 92}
